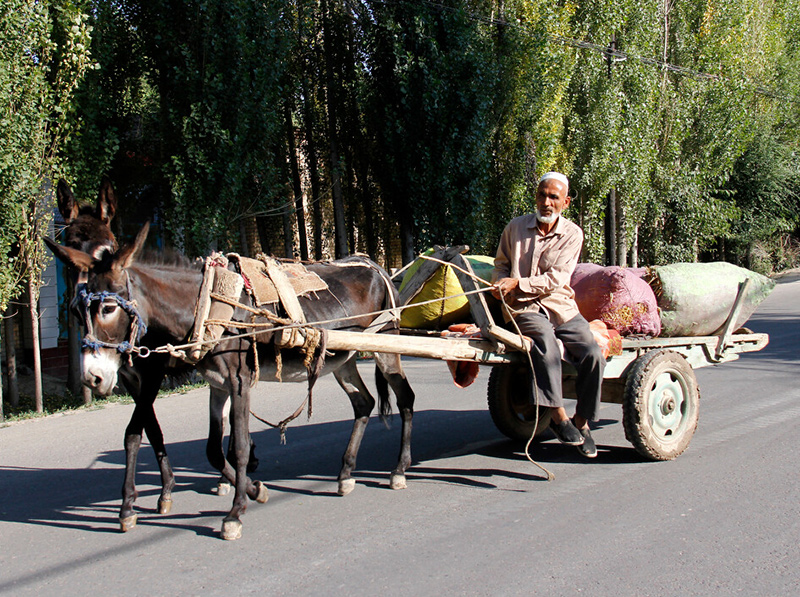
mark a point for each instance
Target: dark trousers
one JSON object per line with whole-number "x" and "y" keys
{"x": 584, "y": 351}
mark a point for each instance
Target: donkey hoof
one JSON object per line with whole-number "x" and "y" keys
{"x": 164, "y": 506}
{"x": 346, "y": 486}
{"x": 397, "y": 481}
{"x": 223, "y": 488}
{"x": 127, "y": 523}
{"x": 263, "y": 494}
{"x": 231, "y": 530}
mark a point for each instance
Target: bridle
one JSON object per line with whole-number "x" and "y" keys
{"x": 138, "y": 326}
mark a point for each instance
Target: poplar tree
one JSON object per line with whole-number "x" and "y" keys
{"x": 44, "y": 54}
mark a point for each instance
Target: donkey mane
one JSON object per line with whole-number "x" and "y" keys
{"x": 168, "y": 259}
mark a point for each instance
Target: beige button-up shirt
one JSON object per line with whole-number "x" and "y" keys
{"x": 543, "y": 264}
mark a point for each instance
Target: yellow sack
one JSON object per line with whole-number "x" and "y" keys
{"x": 444, "y": 283}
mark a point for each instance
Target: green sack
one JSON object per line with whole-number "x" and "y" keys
{"x": 444, "y": 283}
{"x": 695, "y": 299}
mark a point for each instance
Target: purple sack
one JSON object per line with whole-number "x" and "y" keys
{"x": 618, "y": 297}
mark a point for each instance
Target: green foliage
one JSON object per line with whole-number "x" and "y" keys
{"x": 428, "y": 84}
{"x": 439, "y": 116}
{"x": 528, "y": 107}
{"x": 667, "y": 138}
{"x": 766, "y": 188}
{"x": 220, "y": 101}
{"x": 43, "y": 56}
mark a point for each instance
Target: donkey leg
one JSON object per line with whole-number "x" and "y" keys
{"x": 156, "y": 438}
{"x": 240, "y": 412}
{"x": 218, "y": 409}
{"x": 389, "y": 369}
{"x": 133, "y": 441}
{"x": 363, "y": 403}
{"x": 151, "y": 383}
{"x": 223, "y": 483}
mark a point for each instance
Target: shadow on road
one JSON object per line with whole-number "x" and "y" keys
{"x": 89, "y": 498}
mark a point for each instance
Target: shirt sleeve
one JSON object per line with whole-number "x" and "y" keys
{"x": 563, "y": 260}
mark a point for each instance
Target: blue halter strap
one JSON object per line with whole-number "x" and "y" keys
{"x": 139, "y": 327}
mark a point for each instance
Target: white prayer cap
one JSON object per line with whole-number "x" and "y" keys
{"x": 555, "y": 176}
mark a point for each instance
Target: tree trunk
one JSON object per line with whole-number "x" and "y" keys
{"x": 350, "y": 211}
{"x": 635, "y": 247}
{"x": 622, "y": 241}
{"x": 262, "y": 225}
{"x": 310, "y": 140}
{"x": 406, "y": 240}
{"x": 582, "y": 224}
{"x": 313, "y": 175}
{"x": 288, "y": 235}
{"x": 339, "y": 225}
{"x": 297, "y": 187}
{"x": 33, "y": 304}
{"x": 286, "y": 211}
{"x": 11, "y": 358}
{"x": 369, "y": 214}
{"x": 611, "y": 228}
{"x": 244, "y": 248}
{"x": 74, "y": 384}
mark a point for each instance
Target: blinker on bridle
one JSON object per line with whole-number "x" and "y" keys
{"x": 138, "y": 326}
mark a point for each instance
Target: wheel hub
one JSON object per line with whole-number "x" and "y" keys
{"x": 667, "y": 404}
{"x": 667, "y": 396}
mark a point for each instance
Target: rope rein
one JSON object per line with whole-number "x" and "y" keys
{"x": 508, "y": 310}
{"x": 286, "y": 324}
{"x": 535, "y": 389}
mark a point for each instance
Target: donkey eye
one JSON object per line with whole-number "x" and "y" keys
{"x": 108, "y": 309}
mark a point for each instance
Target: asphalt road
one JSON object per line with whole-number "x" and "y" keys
{"x": 477, "y": 517}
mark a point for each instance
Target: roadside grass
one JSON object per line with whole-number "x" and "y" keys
{"x": 55, "y": 403}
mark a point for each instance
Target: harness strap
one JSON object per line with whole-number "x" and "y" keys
{"x": 286, "y": 292}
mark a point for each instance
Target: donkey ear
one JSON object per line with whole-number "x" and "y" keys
{"x": 128, "y": 253}
{"x": 71, "y": 257}
{"x": 67, "y": 205}
{"x": 106, "y": 202}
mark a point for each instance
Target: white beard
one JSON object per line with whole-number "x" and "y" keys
{"x": 547, "y": 219}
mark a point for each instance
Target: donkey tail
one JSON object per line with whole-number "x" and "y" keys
{"x": 384, "y": 404}
{"x": 391, "y": 300}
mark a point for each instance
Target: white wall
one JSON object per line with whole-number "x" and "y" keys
{"x": 48, "y": 307}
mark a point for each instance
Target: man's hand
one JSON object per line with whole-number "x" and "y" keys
{"x": 505, "y": 287}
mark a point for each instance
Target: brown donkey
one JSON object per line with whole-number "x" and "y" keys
{"x": 88, "y": 230}
{"x": 133, "y": 307}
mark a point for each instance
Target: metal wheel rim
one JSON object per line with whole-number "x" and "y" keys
{"x": 668, "y": 406}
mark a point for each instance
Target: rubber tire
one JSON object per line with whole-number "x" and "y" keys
{"x": 510, "y": 404}
{"x": 660, "y": 427}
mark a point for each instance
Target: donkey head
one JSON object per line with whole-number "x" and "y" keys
{"x": 88, "y": 226}
{"x": 109, "y": 311}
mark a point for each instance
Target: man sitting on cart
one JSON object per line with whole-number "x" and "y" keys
{"x": 535, "y": 260}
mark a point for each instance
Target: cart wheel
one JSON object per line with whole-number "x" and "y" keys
{"x": 661, "y": 405}
{"x": 509, "y": 398}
